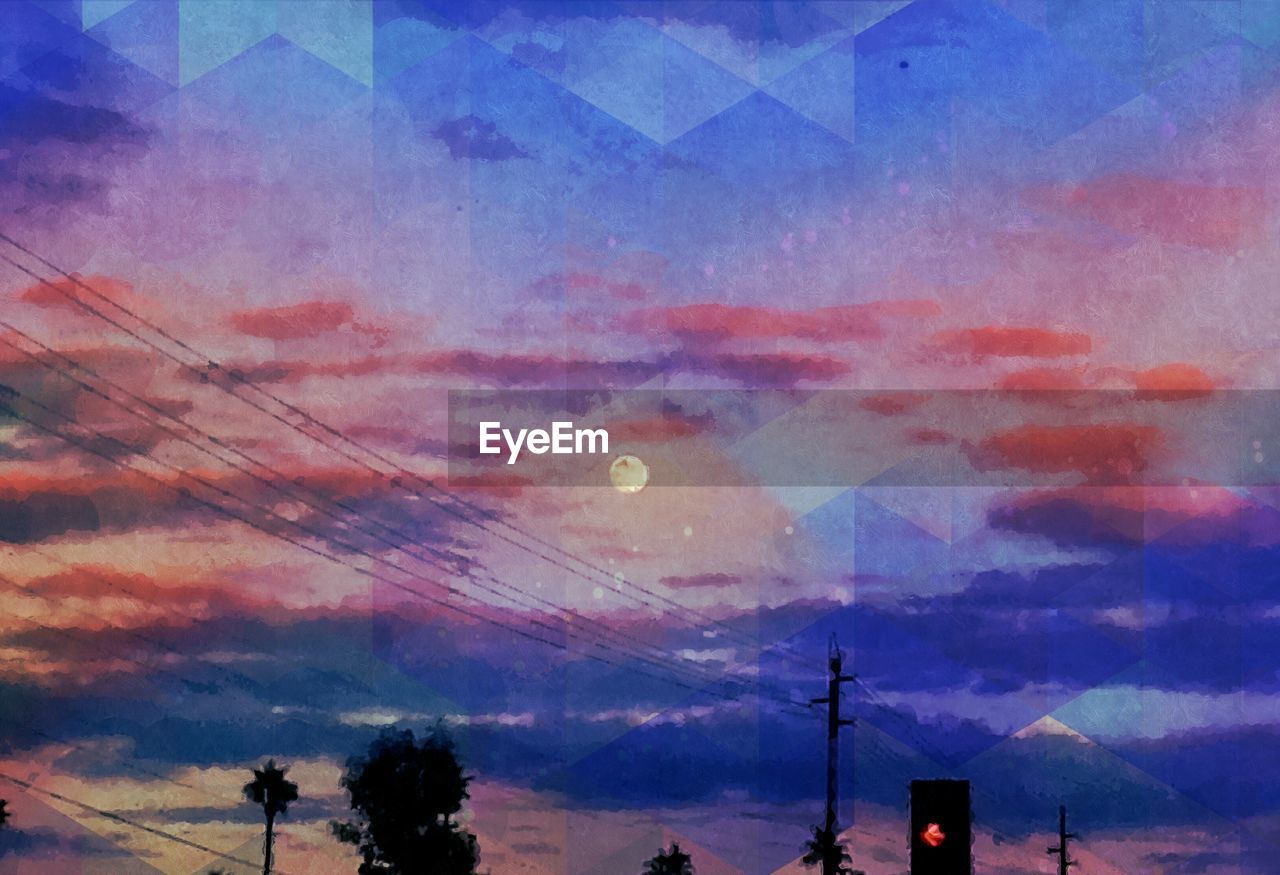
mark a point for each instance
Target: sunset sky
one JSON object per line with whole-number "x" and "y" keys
{"x": 250, "y": 247}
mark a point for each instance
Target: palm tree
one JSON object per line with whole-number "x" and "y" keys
{"x": 825, "y": 850}
{"x": 270, "y": 790}
{"x": 672, "y": 862}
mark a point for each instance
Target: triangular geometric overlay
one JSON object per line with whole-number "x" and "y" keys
{"x": 863, "y": 14}
{"x": 822, "y": 90}
{"x": 629, "y": 69}
{"x": 93, "y": 11}
{"x": 212, "y": 32}
{"x": 144, "y": 33}
{"x": 1048, "y": 764}
{"x": 44, "y": 838}
{"x": 339, "y": 32}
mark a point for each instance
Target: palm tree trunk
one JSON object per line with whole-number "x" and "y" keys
{"x": 266, "y": 845}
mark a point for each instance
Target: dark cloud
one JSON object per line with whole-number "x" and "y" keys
{"x": 788, "y": 24}
{"x": 759, "y": 370}
{"x": 39, "y": 516}
{"x": 57, "y": 154}
{"x": 713, "y": 579}
{"x": 579, "y": 741}
{"x": 43, "y": 842}
{"x": 1120, "y": 518}
{"x": 477, "y": 139}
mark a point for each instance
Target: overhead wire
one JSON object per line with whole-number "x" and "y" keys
{"x": 237, "y": 379}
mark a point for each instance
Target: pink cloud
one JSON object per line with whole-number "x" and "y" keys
{"x": 1189, "y": 214}
{"x": 1010, "y": 342}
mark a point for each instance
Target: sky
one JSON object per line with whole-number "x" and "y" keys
{"x": 949, "y": 330}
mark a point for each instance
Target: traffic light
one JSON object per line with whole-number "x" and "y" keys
{"x": 941, "y": 828}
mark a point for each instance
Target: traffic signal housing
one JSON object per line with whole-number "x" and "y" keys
{"x": 941, "y": 828}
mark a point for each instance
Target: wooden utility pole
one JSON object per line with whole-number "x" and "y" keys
{"x": 835, "y": 662}
{"x": 1064, "y": 858}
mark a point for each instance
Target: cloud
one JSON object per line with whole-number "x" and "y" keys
{"x": 714, "y": 321}
{"x": 1173, "y": 382}
{"x": 1103, "y": 453}
{"x": 471, "y": 137}
{"x": 299, "y": 321}
{"x": 772, "y": 370}
{"x": 42, "y": 515}
{"x": 761, "y": 370}
{"x": 1188, "y": 214}
{"x": 55, "y": 154}
{"x": 1075, "y": 518}
{"x": 45, "y": 843}
{"x": 669, "y": 425}
{"x": 713, "y": 579}
{"x": 61, "y": 292}
{"x": 1043, "y": 379}
{"x": 134, "y": 597}
{"x": 977, "y": 344}
{"x": 577, "y": 282}
{"x": 892, "y": 404}
{"x": 1126, "y": 516}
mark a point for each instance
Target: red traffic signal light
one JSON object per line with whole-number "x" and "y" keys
{"x": 941, "y": 828}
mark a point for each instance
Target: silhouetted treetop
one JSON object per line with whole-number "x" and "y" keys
{"x": 825, "y": 850}
{"x": 270, "y": 790}
{"x": 405, "y": 792}
{"x": 672, "y": 862}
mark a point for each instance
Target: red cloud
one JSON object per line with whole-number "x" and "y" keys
{"x": 930, "y": 437}
{"x": 727, "y": 322}
{"x": 891, "y": 404}
{"x": 301, "y": 321}
{"x": 293, "y": 322}
{"x": 657, "y": 428}
{"x": 187, "y": 599}
{"x": 590, "y": 282}
{"x": 1043, "y": 379}
{"x": 980, "y": 343}
{"x": 54, "y": 293}
{"x": 1113, "y": 452}
{"x": 780, "y": 370}
{"x": 1173, "y": 382}
{"x": 1205, "y": 216}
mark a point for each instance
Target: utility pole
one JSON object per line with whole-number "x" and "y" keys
{"x": 835, "y": 662}
{"x": 1064, "y": 858}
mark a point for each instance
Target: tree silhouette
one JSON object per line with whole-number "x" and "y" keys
{"x": 672, "y": 862}
{"x": 405, "y": 792}
{"x": 825, "y": 850}
{"x": 4, "y": 813}
{"x": 270, "y": 790}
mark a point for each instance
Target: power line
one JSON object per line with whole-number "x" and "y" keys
{"x": 926, "y": 746}
{"x": 67, "y": 633}
{"x": 266, "y": 511}
{"x": 121, "y": 819}
{"x": 126, "y": 763}
{"x": 186, "y": 493}
{"x": 115, "y": 585}
{"x": 237, "y": 379}
{"x": 521, "y": 596}
{"x": 439, "y": 562}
